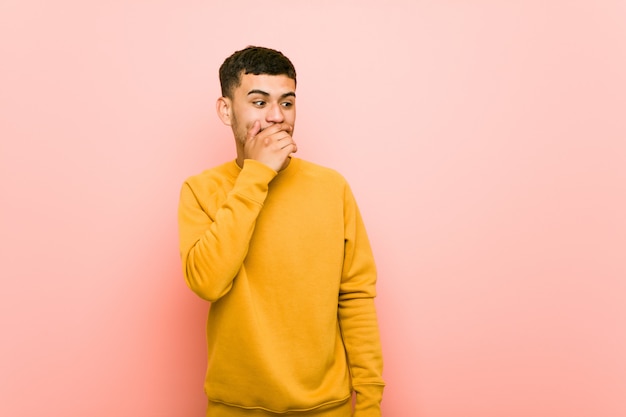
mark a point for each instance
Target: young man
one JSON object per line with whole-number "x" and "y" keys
{"x": 278, "y": 247}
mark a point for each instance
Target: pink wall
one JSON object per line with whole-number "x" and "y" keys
{"x": 485, "y": 141}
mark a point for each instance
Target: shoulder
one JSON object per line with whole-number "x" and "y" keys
{"x": 320, "y": 173}
{"x": 215, "y": 177}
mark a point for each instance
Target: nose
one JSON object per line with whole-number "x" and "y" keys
{"x": 275, "y": 113}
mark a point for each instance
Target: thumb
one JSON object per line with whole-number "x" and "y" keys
{"x": 254, "y": 130}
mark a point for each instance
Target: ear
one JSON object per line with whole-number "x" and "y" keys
{"x": 224, "y": 108}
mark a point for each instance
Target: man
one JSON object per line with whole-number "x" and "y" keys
{"x": 278, "y": 247}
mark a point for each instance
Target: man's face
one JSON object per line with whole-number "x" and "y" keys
{"x": 267, "y": 98}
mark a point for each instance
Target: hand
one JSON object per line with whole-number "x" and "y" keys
{"x": 271, "y": 146}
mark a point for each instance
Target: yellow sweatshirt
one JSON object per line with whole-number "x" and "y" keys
{"x": 285, "y": 261}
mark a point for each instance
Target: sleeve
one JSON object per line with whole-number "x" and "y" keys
{"x": 357, "y": 314}
{"x": 213, "y": 249}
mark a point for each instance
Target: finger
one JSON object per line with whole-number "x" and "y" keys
{"x": 276, "y": 128}
{"x": 288, "y": 143}
{"x": 281, "y": 135}
{"x": 287, "y": 127}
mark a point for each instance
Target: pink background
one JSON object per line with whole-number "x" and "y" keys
{"x": 485, "y": 142}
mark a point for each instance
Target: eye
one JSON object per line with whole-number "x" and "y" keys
{"x": 286, "y": 104}
{"x": 259, "y": 103}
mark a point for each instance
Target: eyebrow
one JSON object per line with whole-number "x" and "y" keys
{"x": 266, "y": 94}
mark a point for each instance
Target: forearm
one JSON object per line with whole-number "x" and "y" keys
{"x": 214, "y": 246}
{"x": 359, "y": 327}
{"x": 357, "y": 314}
{"x": 211, "y": 264}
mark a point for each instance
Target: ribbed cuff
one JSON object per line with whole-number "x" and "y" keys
{"x": 368, "y": 399}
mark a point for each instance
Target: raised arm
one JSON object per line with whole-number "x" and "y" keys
{"x": 213, "y": 245}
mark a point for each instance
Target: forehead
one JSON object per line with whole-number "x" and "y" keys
{"x": 272, "y": 84}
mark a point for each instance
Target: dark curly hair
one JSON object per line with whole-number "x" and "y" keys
{"x": 253, "y": 60}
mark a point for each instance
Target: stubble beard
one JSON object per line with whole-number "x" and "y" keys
{"x": 240, "y": 136}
